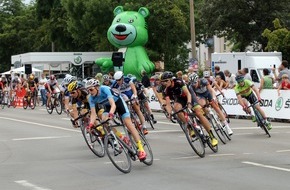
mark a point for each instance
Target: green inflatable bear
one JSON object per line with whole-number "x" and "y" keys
{"x": 128, "y": 32}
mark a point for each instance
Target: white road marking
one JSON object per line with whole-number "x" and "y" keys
{"x": 267, "y": 166}
{"x": 219, "y": 155}
{"x": 283, "y": 151}
{"x": 39, "y": 138}
{"x": 185, "y": 157}
{"x": 25, "y": 183}
{"x": 40, "y": 124}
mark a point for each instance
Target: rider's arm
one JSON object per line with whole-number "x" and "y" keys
{"x": 133, "y": 89}
{"x": 256, "y": 92}
{"x": 113, "y": 106}
{"x": 240, "y": 100}
{"x": 261, "y": 84}
{"x": 187, "y": 93}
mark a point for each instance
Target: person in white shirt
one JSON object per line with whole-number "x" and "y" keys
{"x": 41, "y": 87}
{"x": 230, "y": 79}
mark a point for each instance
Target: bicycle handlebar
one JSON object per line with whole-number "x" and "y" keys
{"x": 181, "y": 110}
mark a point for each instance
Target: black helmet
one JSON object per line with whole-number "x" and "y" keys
{"x": 240, "y": 78}
{"x": 167, "y": 75}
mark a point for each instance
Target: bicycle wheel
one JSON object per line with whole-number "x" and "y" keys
{"x": 25, "y": 103}
{"x": 117, "y": 153}
{"x": 57, "y": 105}
{"x": 218, "y": 128}
{"x": 147, "y": 116}
{"x": 49, "y": 107}
{"x": 224, "y": 112}
{"x": 261, "y": 123}
{"x": 32, "y": 102}
{"x": 94, "y": 142}
{"x": 195, "y": 141}
{"x": 149, "y": 158}
{"x": 213, "y": 148}
{"x": 13, "y": 102}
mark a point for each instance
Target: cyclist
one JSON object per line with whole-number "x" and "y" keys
{"x": 128, "y": 90}
{"x": 176, "y": 90}
{"x": 106, "y": 80}
{"x": 245, "y": 91}
{"x": 142, "y": 97}
{"x": 204, "y": 92}
{"x": 79, "y": 97}
{"x": 31, "y": 87}
{"x": 112, "y": 102}
{"x": 64, "y": 89}
{"x": 50, "y": 87}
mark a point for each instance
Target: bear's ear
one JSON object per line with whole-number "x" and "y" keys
{"x": 118, "y": 10}
{"x": 144, "y": 12}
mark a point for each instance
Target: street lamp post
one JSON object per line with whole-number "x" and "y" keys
{"x": 192, "y": 29}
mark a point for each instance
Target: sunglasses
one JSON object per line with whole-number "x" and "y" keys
{"x": 73, "y": 92}
{"x": 119, "y": 79}
{"x": 164, "y": 80}
{"x": 91, "y": 89}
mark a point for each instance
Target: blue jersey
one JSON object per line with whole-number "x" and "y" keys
{"x": 102, "y": 97}
{"x": 125, "y": 87}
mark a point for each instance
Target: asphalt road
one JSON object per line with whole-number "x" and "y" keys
{"x": 39, "y": 151}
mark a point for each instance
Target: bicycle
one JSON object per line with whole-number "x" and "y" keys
{"x": 120, "y": 151}
{"x": 30, "y": 100}
{"x": 93, "y": 139}
{"x": 172, "y": 118}
{"x": 222, "y": 108}
{"x": 5, "y": 99}
{"x": 146, "y": 113}
{"x": 200, "y": 138}
{"x": 261, "y": 122}
{"x": 54, "y": 104}
{"x": 219, "y": 128}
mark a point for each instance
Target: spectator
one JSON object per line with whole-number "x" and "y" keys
{"x": 185, "y": 79}
{"x": 41, "y": 87}
{"x": 145, "y": 79}
{"x": 179, "y": 75}
{"x": 285, "y": 83}
{"x": 221, "y": 83}
{"x": 99, "y": 77}
{"x": 267, "y": 81}
{"x": 283, "y": 69}
{"x": 230, "y": 79}
{"x": 218, "y": 71}
{"x": 245, "y": 72}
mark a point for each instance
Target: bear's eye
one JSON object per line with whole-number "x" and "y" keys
{"x": 131, "y": 21}
{"x": 118, "y": 20}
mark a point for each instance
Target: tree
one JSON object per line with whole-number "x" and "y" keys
{"x": 278, "y": 39}
{"x": 240, "y": 21}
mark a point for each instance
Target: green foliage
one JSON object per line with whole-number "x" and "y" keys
{"x": 240, "y": 21}
{"x": 278, "y": 39}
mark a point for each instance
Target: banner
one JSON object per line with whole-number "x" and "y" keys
{"x": 273, "y": 105}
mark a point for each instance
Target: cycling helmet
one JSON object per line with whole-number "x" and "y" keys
{"x": 69, "y": 79}
{"x": 52, "y": 77}
{"x": 31, "y": 77}
{"x": 240, "y": 78}
{"x": 92, "y": 83}
{"x": 74, "y": 86}
{"x": 118, "y": 75}
{"x": 206, "y": 74}
{"x": 167, "y": 75}
{"x": 106, "y": 77}
{"x": 193, "y": 77}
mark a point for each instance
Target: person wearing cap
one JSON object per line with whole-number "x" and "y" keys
{"x": 285, "y": 84}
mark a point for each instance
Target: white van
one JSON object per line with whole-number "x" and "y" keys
{"x": 254, "y": 61}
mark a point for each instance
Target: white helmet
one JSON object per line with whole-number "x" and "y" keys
{"x": 69, "y": 79}
{"x": 193, "y": 77}
{"x": 92, "y": 83}
{"x": 118, "y": 75}
{"x": 206, "y": 74}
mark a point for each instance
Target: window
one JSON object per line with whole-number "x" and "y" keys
{"x": 254, "y": 75}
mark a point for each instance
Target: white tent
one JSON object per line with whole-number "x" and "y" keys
{"x": 20, "y": 70}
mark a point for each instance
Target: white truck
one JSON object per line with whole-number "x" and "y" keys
{"x": 254, "y": 61}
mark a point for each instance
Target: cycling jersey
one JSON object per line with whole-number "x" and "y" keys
{"x": 125, "y": 87}
{"x": 51, "y": 83}
{"x": 31, "y": 84}
{"x": 81, "y": 99}
{"x": 102, "y": 97}
{"x": 176, "y": 90}
{"x": 202, "y": 89}
{"x": 244, "y": 90}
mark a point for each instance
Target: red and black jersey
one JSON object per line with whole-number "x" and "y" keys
{"x": 175, "y": 90}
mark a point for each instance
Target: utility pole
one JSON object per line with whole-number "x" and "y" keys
{"x": 192, "y": 29}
